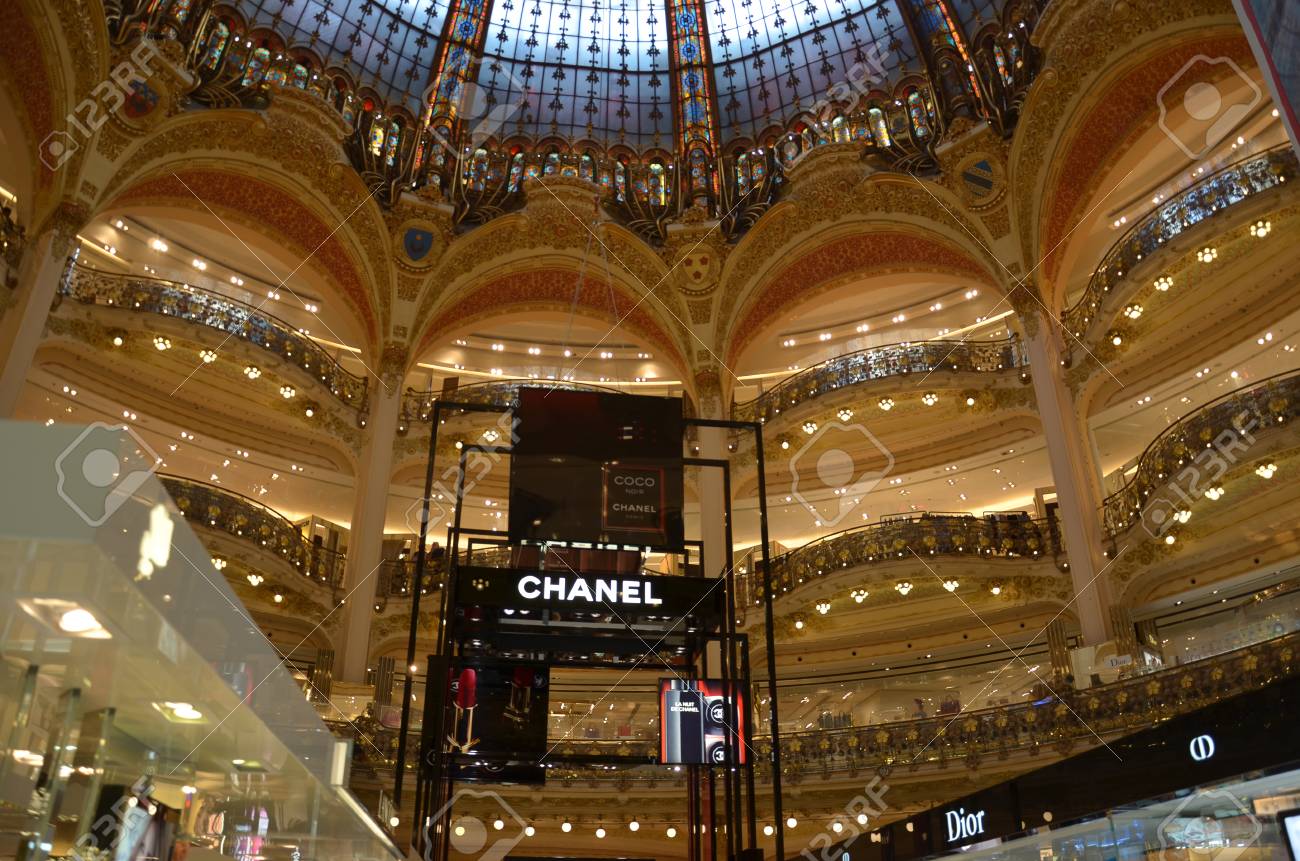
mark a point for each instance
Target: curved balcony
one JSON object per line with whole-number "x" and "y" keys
{"x": 497, "y": 393}
{"x": 213, "y": 507}
{"x": 227, "y": 316}
{"x": 970, "y": 738}
{"x": 926, "y": 534}
{"x": 877, "y": 363}
{"x": 1213, "y": 195}
{"x": 1169, "y": 478}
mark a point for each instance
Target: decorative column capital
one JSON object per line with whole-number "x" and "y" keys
{"x": 62, "y": 223}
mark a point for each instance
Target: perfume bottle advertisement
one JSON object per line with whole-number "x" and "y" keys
{"x": 697, "y": 721}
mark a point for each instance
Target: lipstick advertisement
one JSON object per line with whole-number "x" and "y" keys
{"x": 697, "y": 720}
{"x": 498, "y": 708}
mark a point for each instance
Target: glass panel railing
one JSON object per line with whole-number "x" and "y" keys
{"x": 135, "y": 682}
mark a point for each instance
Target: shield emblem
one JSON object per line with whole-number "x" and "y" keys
{"x": 141, "y": 101}
{"x": 417, "y": 244}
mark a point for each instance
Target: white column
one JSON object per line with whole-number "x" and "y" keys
{"x": 366, "y": 535}
{"x": 1077, "y": 477}
{"x": 23, "y": 325}
{"x": 712, "y": 496}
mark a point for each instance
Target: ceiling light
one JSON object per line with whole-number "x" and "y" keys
{"x": 208, "y": 356}
{"x": 823, "y": 607}
{"x": 1116, "y": 339}
{"x": 1260, "y": 229}
{"x": 791, "y": 822}
{"x": 158, "y": 245}
{"x": 600, "y": 833}
{"x": 671, "y": 832}
{"x": 252, "y": 372}
{"x": 904, "y": 587}
{"x": 1163, "y": 283}
{"x": 970, "y": 401}
{"x": 1207, "y": 254}
{"x": 218, "y": 563}
{"x": 837, "y": 826}
{"x": 1266, "y": 470}
{"x": 824, "y": 336}
{"x": 287, "y": 392}
{"x": 79, "y": 621}
{"x": 845, "y": 414}
{"x": 236, "y": 280}
{"x": 255, "y": 579}
{"x": 278, "y": 598}
{"x": 1213, "y": 493}
{"x": 1133, "y": 311}
{"x": 859, "y": 595}
{"x": 566, "y": 826}
{"x": 950, "y": 585}
{"x": 996, "y": 590}
{"x": 798, "y": 624}
{"x": 862, "y": 819}
{"x": 768, "y": 830}
{"x": 634, "y": 826}
{"x": 498, "y": 824}
{"x": 529, "y": 831}
{"x": 929, "y": 399}
{"x": 162, "y": 343}
{"x": 810, "y": 427}
{"x": 886, "y": 404}
{"x": 199, "y": 264}
{"x": 785, "y": 444}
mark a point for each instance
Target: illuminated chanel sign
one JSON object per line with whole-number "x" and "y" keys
{"x": 1201, "y": 748}
{"x": 578, "y": 589}
{"x": 962, "y": 825}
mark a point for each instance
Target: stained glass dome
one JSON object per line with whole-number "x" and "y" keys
{"x": 614, "y": 71}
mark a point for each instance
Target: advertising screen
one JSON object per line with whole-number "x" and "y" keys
{"x": 498, "y": 708}
{"x": 696, "y": 717}
{"x": 597, "y": 467}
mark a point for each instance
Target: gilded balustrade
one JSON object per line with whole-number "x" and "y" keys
{"x": 1190, "y": 456}
{"x": 971, "y": 738}
{"x": 213, "y": 507}
{"x": 878, "y": 363}
{"x": 1215, "y": 194}
{"x": 228, "y": 316}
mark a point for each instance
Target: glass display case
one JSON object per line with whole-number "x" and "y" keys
{"x": 143, "y": 713}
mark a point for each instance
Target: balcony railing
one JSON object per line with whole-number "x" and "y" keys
{"x": 1173, "y": 471}
{"x": 499, "y": 393}
{"x": 925, "y": 534}
{"x": 1059, "y": 721}
{"x": 1214, "y": 194}
{"x": 213, "y": 507}
{"x": 228, "y": 316}
{"x": 878, "y": 363}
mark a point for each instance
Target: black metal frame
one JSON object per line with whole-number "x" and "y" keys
{"x": 740, "y": 800}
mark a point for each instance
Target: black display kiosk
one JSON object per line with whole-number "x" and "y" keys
{"x": 596, "y": 480}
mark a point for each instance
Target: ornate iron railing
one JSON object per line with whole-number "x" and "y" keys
{"x": 1060, "y": 720}
{"x": 228, "y": 316}
{"x": 1172, "y": 472}
{"x": 213, "y": 507}
{"x": 877, "y": 363}
{"x": 1214, "y": 194}
{"x": 500, "y": 393}
{"x": 926, "y": 534}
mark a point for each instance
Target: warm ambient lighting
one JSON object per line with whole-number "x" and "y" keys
{"x": 1214, "y": 493}
{"x": 810, "y": 427}
{"x": 859, "y": 595}
{"x": 566, "y": 826}
{"x": 1116, "y": 339}
{"x": 1207, "y": 254}
{"x": 845, "y": 414}
{"x": 798, "y": 624}
{"x": 529, "y": 831}
{"x": 768, "y": 830}
{"x": 791, "y": 822}
{"x": 287, "y": 392}
{"x": 208, "y": 356}
{"x": 950, "y": 585}
{"x": 218, "y": 563}
{"x": 929, "y": 399}
{"x": 255, "y": 579}
{"x": 1163, "y": 283}
{"x": 1133, "y": 311}
{"x": 886, "y": 404}
{"x": 498, "y": 823}
{"x": 162, "y": 343}
{"x": 1260, "y": 229}
{"x": 634, "y": 826}
{"x": 837, "y": 826}
{"x": 823, "y": 607}
{"x": 393, "y": 821}
{"x": 671, "y": 832}
{"x": 1266, "y": 470}
{"x": 79, "y": 621}
{"x": 970, "y": 402}
{"x": 903, "y": 588}
{"x": 600, "y": 833}
{"x": 996, "y": 590}
{"x": 252, "y": 372}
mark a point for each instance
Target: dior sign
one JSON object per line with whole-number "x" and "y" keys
{"x": 963, "y": 825}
